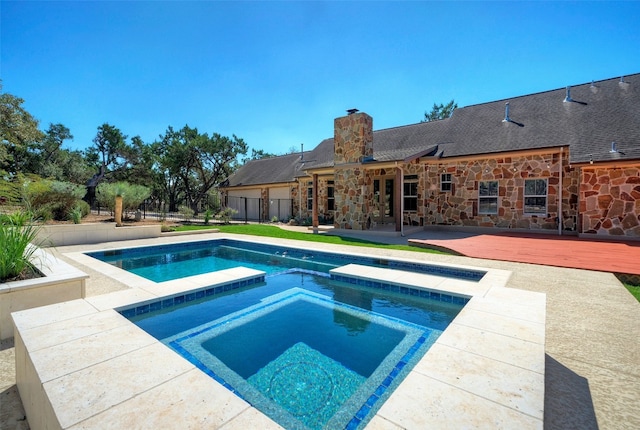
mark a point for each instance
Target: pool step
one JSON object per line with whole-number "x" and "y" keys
{"x": 440, "y": 288}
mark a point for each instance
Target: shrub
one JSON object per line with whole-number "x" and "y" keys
{"x": 75, "y": 215}
{"x": 132, "y": 195}
{"x": 207, "y": 216}
{"x": 16, "y": 219}
{"x": 43, "y": 214}
{"x": 83, "y": 207}
{"x": 54, "y": 198}
{"x": 226, "y": 214}
{"x": 186, "y": 212}
{"x": 11, "y": 189}
{"x": 274, "y": 219}
{"x": 17, "y": 251}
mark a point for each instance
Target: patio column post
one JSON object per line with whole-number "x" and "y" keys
{"x": 315, "y": 203}
{"x": 398, "y": 199}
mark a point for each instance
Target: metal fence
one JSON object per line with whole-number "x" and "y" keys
{"x": 252, "y": 209}
{"x": 248, "y": 209}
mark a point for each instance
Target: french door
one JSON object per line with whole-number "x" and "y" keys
{"x": 383, "y": 189}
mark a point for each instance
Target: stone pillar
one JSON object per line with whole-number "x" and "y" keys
{"x": 264, "y": 194}
{"x": 353, "y": 142}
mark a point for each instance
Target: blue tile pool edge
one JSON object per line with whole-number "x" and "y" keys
{"x": 178, "y": 299}
{"x": 165, "y": 302}
{"x": 372, "y": 403}
{"x": 425, "y": 293}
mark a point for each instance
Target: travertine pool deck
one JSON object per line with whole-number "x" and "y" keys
{"x": 81, "y": 364}
{"x": 592, "y": 372}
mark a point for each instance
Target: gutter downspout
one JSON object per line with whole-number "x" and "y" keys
{"x": 560, "y": 220}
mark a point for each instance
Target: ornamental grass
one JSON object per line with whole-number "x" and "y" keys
{"x": 16, "y": 237}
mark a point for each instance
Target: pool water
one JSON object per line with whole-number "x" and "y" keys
{"x": 307, "y": 351}
{"x": 168, "y": 265}
{"x": 174, "y": 261}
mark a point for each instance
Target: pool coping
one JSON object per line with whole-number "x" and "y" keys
{"x": 489, "y": 361}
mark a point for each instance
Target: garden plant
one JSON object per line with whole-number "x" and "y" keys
{"x": 17, "y": 235}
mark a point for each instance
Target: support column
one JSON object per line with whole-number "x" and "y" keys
{"x": 266, "y": 204}
{"x": 398, "y": 199}
{"x": 315, "y": 203}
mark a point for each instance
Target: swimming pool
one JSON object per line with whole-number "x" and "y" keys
{"x": 306, "y": 350}
{"x": 174, "y": 261}
{"x": 486, "y": 369}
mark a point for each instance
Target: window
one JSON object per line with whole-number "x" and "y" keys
{"x": 330, "y": 198}
{"x": 535, "y": 196}
{"x": 445, "y": 182}
{"x": 488, "y": 197}
{"x": 310, "y": 196}
{"x": 411, "y": 193}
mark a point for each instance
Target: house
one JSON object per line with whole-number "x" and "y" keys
{"x": 565, "y": 161}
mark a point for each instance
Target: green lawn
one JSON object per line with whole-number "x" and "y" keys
{"x": 274, "y": 231}
{"x": 634, "y": 290}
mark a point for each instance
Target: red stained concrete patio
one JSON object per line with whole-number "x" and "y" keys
{"x": 545, "y": 249}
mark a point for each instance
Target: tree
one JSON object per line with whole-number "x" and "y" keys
{"x": 19, "y": 134}
{"x": 257, "y": 154}
{"x": 74, "y": 166}
{"x": 440, "y": 111}
{"x": 54, "y": 137}
{"x": 167, "y": 170}
{"x": 137, "y": 161}
{"x": 52, "y": 161}
{"x": 198, "y": 160}
{"x": 109, "y": 144}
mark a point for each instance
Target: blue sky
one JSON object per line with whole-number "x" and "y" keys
{"x": 277, "y": 73}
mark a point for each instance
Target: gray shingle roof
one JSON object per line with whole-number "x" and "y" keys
{"x": 599, "y": 113}
{"x": 271, "y": 170}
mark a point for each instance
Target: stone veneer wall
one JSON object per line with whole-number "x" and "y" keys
{"x": 417, "y": 217}
{"x": 459, "y": 206}
{"x": 352, "y": 199}
{"x": 353, "y": 142}
{"x": 295, "y": 198}
{"x": 323, "y": 204}
{"x": 610, "y": 201}
{"x": 324, "y": 214}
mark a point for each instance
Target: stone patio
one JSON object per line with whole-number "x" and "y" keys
{"x": 592, "y": 351}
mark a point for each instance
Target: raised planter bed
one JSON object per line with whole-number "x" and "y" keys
{"x": 78, "y": 234}
{"x": 61, "y": 282}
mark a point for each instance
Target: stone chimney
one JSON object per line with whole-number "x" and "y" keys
{"x": 353, "y": 142}
{"x": 353, "y": 138}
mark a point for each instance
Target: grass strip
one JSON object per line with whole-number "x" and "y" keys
{"x": 633, "y": 289}
{"x": 274, "y": 231}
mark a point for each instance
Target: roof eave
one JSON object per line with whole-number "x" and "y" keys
{"x": 429, "y": 151}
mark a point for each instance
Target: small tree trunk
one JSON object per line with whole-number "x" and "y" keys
{"x": 118, "y": 211}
